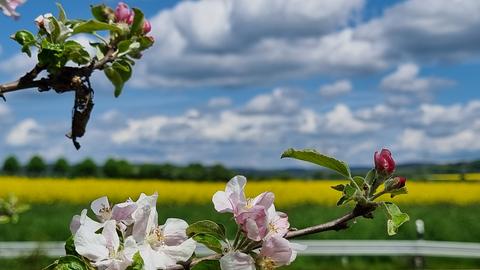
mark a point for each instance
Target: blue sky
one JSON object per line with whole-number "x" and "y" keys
{"x": 238, "y": 82}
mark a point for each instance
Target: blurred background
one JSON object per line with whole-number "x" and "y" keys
{"x": 228, "y": 86}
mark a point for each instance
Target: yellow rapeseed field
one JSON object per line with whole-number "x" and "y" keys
{"x": 81, "y": 191}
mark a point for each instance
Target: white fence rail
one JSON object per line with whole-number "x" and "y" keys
{"x": 314, "y": 248}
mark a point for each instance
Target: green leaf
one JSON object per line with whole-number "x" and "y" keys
{"x": 209, "y": 241}
{"x": 339, "y": 187}
{"x": 127, "y": 46}
{"x": 397, "y": 192}
{"x": 75, "y": 52}
{"x": 207, "y": 265}
{"x": 95, "y": 25}
{"x": 343, "y": 200}
{"x": 313, "y": 156}
{"x": 62, "y": 16}
{"x": 101, "y": 49}
{"x": 51, "y": 56}
{"x": 70, "y": 247}
{"x": 207, "y": 227}
{"x": 123, "y": 68}
{"x": 102, "y": 13}
{"x": 116, "y": 79}
{"x": 350, "y": 190}
{"x": 359, "y": 181}
{"x": 68, "y": 263}
{"x": 26, "y": 39}
{"x": 396, "y": 217}
{"x": 137, "y": 25}
{"x": 146, "y": 42}
{"x": 137, "y": 262}
{"x": 370, "y": 177}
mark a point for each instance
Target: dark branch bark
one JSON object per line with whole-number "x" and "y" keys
{"x": 62, "y": 81}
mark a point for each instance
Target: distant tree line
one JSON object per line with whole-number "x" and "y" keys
{"x": 114, "y": 168}
{"x": 120, "y": 168}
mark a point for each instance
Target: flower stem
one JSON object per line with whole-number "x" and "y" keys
{"x": 237, "y": 237}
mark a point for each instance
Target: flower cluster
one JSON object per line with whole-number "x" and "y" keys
{"x": 260, "y": 225}
{"x": 127, "y": 231}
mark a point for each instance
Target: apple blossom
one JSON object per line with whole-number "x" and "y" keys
{"x": 104, "y": 250}
{"x": 275, "y": 252}
{"x": 9, "y": 6}
{"x": 278, "y": 224}
{"x": 161, "y": 246}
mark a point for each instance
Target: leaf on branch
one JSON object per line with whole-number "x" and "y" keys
{"x": 26, "y": 39}
{"x": 396, "y": 218}
{"x": 209, "y": 241}
{"x": 95, "y": 25}
{"x": 75, "y": 52}
{"x": 207, "y": 265}
{"x": 68, "y": 262}
{"x": 119, "y": 73}
{"x": 102, "y": 13}
{"x": 370, "y": 177}
{"x": 137, "y": 25}
{"x": 138, "y": 262}
{"x": 207, "y": 227}
{"x": 338, "y": 187}
{"x": 397, "y": 192}
{"x": 62, "y": 15}
{"x": 313, "y": 156}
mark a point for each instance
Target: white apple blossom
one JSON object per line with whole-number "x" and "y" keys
{"x": 104, "y": 250}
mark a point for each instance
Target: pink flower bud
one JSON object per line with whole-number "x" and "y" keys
{"x": 147, "y": 27}
{"x": 395, "y": 183}
{"x": 122, "y": 12}
{"x": 130, "y": 18}
{"x": 384, "y": 163}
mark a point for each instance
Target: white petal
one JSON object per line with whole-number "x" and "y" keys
{"x": 123, "y": 211}
{"x": 222, "y": 203}
{"x": 84, "y": 221}
{"x": 130, "y": 248}
{"x": 235, "y": 190}
{"x": 174, "y": 231}
{"x": 91, "y": 245}
{"x": 182, "y": 252}
{"x": 110, "y": 234}
{"x": 237, "y": 261}
{"x": 99, "y": 204}
{"x": 154, "y": 260}
{"x": 146, "y": 219}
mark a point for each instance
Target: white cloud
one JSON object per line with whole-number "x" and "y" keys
{"x": 281, "y": 100}
{"x": 240, "y": 42}
{"x": 27, "y": 132}
{"x": 430, "y": 30}
{"x": 341, "y": 120}
{"x": 406, "y": 79}
{"x": 219, "y": 102}
{"x": 337, "y": 88}
{"x": 4, "y": 110}
{"x": 18, "y": 65}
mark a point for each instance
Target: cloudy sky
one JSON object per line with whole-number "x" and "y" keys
{"x": 239, "y": 81}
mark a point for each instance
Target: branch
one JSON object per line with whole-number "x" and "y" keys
{"x": 334, "y": 225}
{"x": 62, "y": 82}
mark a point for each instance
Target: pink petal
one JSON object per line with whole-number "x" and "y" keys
{"x": 237, "y": 261}
{"x": 174, "y": 231}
